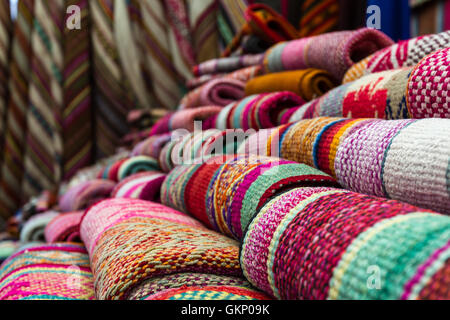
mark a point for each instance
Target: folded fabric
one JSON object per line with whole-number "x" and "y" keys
{"x": 324, "y": 243}
{"x": 406, "y": 53}
{"x": 7, "y": 248}
{"x": 209, "y": 293}
{"x": 199, "y": 146}
{"x": 144, "y": 186}
{"x": 308, "y": 83}
{"x": 219, "y": 92}
{"x": 50, "y": 272}
{"x": 85, "y": 194}
{"x": 151, "y": 146}
{"x": 33, "y": 229}
{"x": 406, "y": 160}
{"x": 225, "y": 192}
{"x": 334, "y": 52}
{"x": 229, "y": 64}
{"x": 126, "y": 167}
{"x": 64, "y": 228}
{"x": 130, "y": 241}
{"x": 257, "y": 111}
{"x": 264, "y": 22}
{"x": 417, "y": 92}
{"x": 243, "y": 75}
{"x": 156, "y": 285}
{"x": 185, "y": 119}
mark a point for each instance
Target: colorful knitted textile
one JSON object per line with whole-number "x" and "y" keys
{"x": 151, "y": 146}
{"x": 33, "y": 229}
{"x": 225, "y": 192}
{"x": 64, "y": 228}
{"x": 265, "y": 23}
{"x": 308, "y": 83}
{"x": 230, "y": 64}
{"x": 380, "y": 95}
{"x": 130, "y": 241}
{"x": 243, "y": 75}
{"x": 319, "y": 17}
{"x": 417, "y": 92}
{"x": 50, "y": 272}
{"x": 406, "y": 160}
{"x": 85, "y": 194}
{"x": 219, "y": 92}
{"x": 319, "y": 243}
{"x": 144, "y": 186}
{"x": 405, "y": 53}
{"x": 334, "y": 52}
{"x": 209, "y": 293}
{"x": 127, "y": 167}
{"x": 257, "y": 111}
{"x": 180, "y": 280}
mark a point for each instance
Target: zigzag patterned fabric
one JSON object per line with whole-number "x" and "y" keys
{"x": 406, "y": 160}
{"x": 405, "y": 53}
{"x": 50, "y": 272}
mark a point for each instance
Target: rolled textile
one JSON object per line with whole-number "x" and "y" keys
{"x": 406, "y": 53}
{"x": 151, "y": 146}
{"x": 417, "y": 92}
{"x": 85, "y": 194}
{"x": 50, "y": 272}
{"x": 223, "y": 65}
{"x": 130, "y": 241}
{"x": 259, "y": 111}
{"x": 308, "y": 83}
{"x": 33, "y": 229}
{"x": 243, "y": 75}
{"x": 165, "y": 157}
{"x": 162, "y": 125}
{"x": 64, "y": 228}
{"x": 209, "y": 293}
{"x": 406, "y": 160}
{"x": 7, "y": 248}
{"x": 135, "y": 165}
{"x": 225, "y": 192}
{"x": 334, "y": 52}
{"x": 176, "y": 281}
{"x": 324, "y": 243}
{"x": 219, "y": 92}
{"x": 199, "y": 146}
{"x": 185, "y": 119}
{"x": 144, "y": 186}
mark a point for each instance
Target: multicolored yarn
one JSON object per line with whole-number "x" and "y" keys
{"x": 85, "y": 194}
{"x": 151, "y": 146}
{"x": 51, "y": 272}
{"x": 229, "y": 64}
{"x": 308, "y": 83}
{"x": 257, "y": 111}
{"x": 233, "y": 188}
{"x": 64, "y": 228}
{"x": 33, "y": 229}
{"x": 406, "y": 160}
{"x": 144, "y": 186}
{"x": 130, "y": 241}
{"x": 219, "y": 92}
{"x": 334, "y": 52}
{"x": 406, "y": 53}
{"x": 209, "y": 293}
{"x": 181, "y": 280}
{"x": 316, "y": 243}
